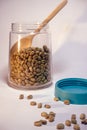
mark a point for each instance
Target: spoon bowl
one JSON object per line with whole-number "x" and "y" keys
{"x": 23, "y": 43}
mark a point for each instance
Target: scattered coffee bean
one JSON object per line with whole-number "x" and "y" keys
{"x": 29, "y": 97}
{"x": 38, "y": 123}
{"x": 73, "y": 121}
{"x": 56, "y": 99}
{"x": 73, "y": 116}
{"x": 44, "y": 114}
{"x": 47, "y": 106}
{"x": 76, "y": 127}
{"x": 52, "y": 113}
{"x": 82, "y": 116}
{"x": 60, "y": 126}
{"x": 51, "y": 118}
{"x": 39, "y": 105}
{"x": 33, "y": 103}
{"x": 68, "y": 123}
{"x": 67, "y": 102}
{"x": 21, "y": 96}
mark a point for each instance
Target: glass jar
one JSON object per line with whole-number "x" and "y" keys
{"x": 30, "y": 63}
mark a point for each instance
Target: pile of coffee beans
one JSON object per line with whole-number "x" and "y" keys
{"x": 30, "y": 67}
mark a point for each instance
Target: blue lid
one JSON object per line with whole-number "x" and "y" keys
{"x": 73, "y": 89}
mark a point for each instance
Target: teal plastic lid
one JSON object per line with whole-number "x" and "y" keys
{"x": 73, "y": 89}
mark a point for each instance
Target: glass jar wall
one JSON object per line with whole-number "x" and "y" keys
{"x": 30, "y": 60}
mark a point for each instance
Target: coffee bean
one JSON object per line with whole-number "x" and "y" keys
{"x": 82, "y": 116}
{"x": 76, "y": 127}
{"x": 39, "y": 105}
{"x": 38, "y": 123}
{"x": 60, "y": 126}
{"x": 67, "y": 102}
{"x": 47, "y": 106}
{"x": 33, "y": 103}
{"x": 29, "y": 97}
{"x": 68, "y": 123}
{"x": 21, "y": 96}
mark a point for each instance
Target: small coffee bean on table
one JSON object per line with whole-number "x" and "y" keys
{"x": 56, "y": 99}
{"x": 52, "y": 113}
{"x": 33, "y": 103}
{"x": 67, "y": 102}
{"x": 68, "y": 123}
{"x": 76, "y": 127}
{"x": 21, "y": 96}
{"x": 38, "y": 123}
{"x": 73, "y": 121}
{"x": 60, "y": 126}
{"x": 29, "y": 97}
{"x": 73, "y": 116}
{"x": 47, "y": 106}
{"x": 82, "y": 116}
{"x": 39, "y": 105}
{"x": 44, "y": 114}
{"x": 51, "y": 118}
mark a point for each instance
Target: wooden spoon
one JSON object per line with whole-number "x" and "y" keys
{"x": 26, "y": 42}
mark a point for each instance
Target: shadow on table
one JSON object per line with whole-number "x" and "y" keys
{"x": 4, "y": 75}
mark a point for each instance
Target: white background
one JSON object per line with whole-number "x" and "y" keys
{"x": 69, "y": 49}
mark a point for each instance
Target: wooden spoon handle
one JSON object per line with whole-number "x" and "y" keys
{"x": 51, "y": 15}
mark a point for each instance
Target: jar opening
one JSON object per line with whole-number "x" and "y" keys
{"x": 27, "y": 27}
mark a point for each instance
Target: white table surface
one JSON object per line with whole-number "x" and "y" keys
{"x": 69, "y": 49}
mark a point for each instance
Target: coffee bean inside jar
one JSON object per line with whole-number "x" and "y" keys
{"x": 30, "y": 67}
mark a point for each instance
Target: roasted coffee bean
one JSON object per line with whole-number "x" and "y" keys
{"x": 67, "y": 102}
{"x": 68, "y": 123}
{"x": 47, "y": 106}
{"x": 33, "y": 103}
{"x": 39, "y": 105}
{"x": 51, "y": 118}
{"x": 56, "y": 99}
{"x": 73, "y": 121}
{"x": 60, "y": 126}
{"x": 84, "y": 121}
{"x": 44, "y": 114}
{"x": 52, "y": 113}
{"x": 29, "y": 97}
{"x": 73, "y": 116}
{"x": 21, "y": 96}
{"x": 38, "y": 123}
{"x": 76, "y": 127}
{"x": 82, "y": 116}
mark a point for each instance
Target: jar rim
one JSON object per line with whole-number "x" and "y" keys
{"x": 27, "y": 26}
